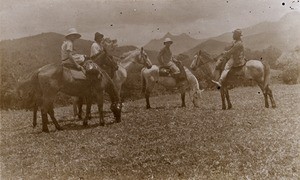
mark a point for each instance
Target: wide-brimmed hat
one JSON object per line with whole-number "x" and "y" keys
{"x": 238, "y": 32}
{"x": 98, "y": 35}
{"x": 73, "y": 32}
{"x": 168, "y": 40}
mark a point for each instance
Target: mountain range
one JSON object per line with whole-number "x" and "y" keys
{"x": 181, "y": 43}
{"x": 283, "y": 34}
{"x": 29, "y": 53}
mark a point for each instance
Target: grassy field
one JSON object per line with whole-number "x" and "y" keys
{"x": 166, "y": 142}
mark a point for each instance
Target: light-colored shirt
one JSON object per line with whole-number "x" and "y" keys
{"x": 96, "y": 48}
{"x": 66, "y": 47}
{"x": 236, "y": 52}
{"x": 164, "y": 56}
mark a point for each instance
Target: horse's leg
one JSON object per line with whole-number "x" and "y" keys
{"x": 265, "y": 93}
{"x": 51, "y": 113}
{"x": 88, "y": 111}
{"x": 35, "y": 109}
{"x": 79, "y": 106}
{"x": 223, "y": 98}
{"x": 75, "y": 105}
{"x": 183, "y": 99}
{"x": 270, "y": 93}
{"x": 100, "y": 108}
{"x": 44, "y": 120}
{"x": 44, "y": 112}
{"x": 227, "y": 98}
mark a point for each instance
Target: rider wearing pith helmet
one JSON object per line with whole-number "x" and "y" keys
{"x": 235, "y": 54}
{"x": 168, "y": 40}
{"x": 72, "y": 34}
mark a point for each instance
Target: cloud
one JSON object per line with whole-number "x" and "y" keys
{"x": 135, "y": 21}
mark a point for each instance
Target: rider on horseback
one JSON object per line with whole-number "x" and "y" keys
{"x": 97, "y": 46}
{"x": 166, "y": 60}
{"x": 68, "y": 53}
{"x": 235, "y": 54}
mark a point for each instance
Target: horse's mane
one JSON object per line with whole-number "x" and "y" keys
{"x": 128, "y": 55}
{"x": 205, "y": 55}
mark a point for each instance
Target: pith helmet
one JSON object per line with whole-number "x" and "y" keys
{"x": 237, "y": 32}
{"x": 73, "y": 31}
{"x": 98, "y": 36}
{"x": 168, "y": 40}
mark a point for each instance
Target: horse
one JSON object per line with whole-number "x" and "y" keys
{"x": 104, "y": 61}
{"x": 120, "y": 71}
{"x": 151, "y": 76}
{"x": 257, "y": 70}
{"x": 29, "y": 92}
{"x": 137, "y": 56}
{"x": 50, "y": 79}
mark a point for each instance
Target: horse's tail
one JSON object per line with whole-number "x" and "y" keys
{"x": 143, "y": 82}
{"x": 267, "y": 72}
{"x": 29, "y": 86}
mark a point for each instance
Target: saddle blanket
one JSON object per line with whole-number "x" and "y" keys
{"x": 72, "y": 74}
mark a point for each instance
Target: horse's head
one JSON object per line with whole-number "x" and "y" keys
{"x": 197, "y": 61}
{"x": 105, "y": 59}
{"x": 143, "y": 59}
{"x": 92, "y": 69}
{"x": 116, "y": 108}
{"x": 196, "y": 97}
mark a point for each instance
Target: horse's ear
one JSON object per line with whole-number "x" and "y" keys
{"x": 142, "y": 49}
{"x": 199, "y": 52}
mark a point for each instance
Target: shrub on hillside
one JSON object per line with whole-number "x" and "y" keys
{"x": 290, "y": 64}
{"x": 291, "y": 75}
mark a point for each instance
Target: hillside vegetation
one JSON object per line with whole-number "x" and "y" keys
{"x": 166, "y": 142}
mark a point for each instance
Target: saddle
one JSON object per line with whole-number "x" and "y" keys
{"x": 164, "y": 71}
{"x": 71, "y": 73}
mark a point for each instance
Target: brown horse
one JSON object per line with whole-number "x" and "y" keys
{"x": 106, "y": 62}
{"x": 50, "y": 80}
{"x": 29, "y": 91}
{"x": 257, "y": 70}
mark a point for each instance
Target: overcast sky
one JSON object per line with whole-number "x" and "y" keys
{"x": 137, "y": 22}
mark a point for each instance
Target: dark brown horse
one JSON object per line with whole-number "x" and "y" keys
{"x": 49, "y": 80}
{"x": 257, "y": 70}
{"x": 29, "y": 92}
{"x": 105, "y": 62}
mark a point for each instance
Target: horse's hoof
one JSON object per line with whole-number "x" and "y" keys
{"x": 229, "y": 107}
{"x": 85, "y": 123}
{"x": 59, "y": 128}
{"x": 34, "y": 125}
{"x": 223, "y": 108}
{"x": 148, "y": 107}
{"x": 183, "y": 106}
{"x": 102, "y": 124}
{"x": 46, "y": 130}
{"x": 273, "y": 106}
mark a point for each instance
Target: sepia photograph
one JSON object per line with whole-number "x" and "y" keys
{"x": 149, "y": 89}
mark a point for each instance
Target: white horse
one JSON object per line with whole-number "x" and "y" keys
{"x": 151, "y": 76}
{"x": 137, "y": 56}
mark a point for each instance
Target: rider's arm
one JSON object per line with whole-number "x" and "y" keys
{"x": 160, "y": 57}
{"x": 70, "y": 51}
{"x": 233, "y": 49}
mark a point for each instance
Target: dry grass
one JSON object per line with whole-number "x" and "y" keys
{"x": 166, "y": 142}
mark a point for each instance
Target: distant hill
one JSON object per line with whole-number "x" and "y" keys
{"x": 211, "y": 46}
{"x": 21, "y": 56}
{"x": 182, "y": 43}
{"x": 283, "y": 34}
